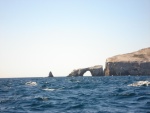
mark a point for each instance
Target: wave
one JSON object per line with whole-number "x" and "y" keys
{"x": 49, "y": 89}
{"x": 30, "y": 83}
{"x": 140, "y": 83}
{"x": 41, "y": 98}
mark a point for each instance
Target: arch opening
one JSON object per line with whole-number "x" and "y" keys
{"x": 87, "y": 73}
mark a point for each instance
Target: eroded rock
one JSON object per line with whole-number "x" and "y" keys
{"x": 95, "y": 71}
{"x": 135, "y": 63}
{"x": 50, "y": 74}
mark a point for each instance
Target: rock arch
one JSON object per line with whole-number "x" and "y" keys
{"x": 87, "y": 73}
{"x": 95, "y": 71}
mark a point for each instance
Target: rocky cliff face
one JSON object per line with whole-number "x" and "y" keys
{"x": 136, "y": 63}
{"x": 95, "y": 71}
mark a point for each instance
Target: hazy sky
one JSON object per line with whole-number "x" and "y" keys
{"x": 38, "y": 36}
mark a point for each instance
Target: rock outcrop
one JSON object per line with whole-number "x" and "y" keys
{"x": 50, "y": 74}
{"x": 95, "y": 71}
{"x": 136, "y": 63}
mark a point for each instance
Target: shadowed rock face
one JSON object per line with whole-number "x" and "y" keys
{"x": 95, "y": 71}
{"x": 50, "y": 74}
{"x": 136, "y": 63}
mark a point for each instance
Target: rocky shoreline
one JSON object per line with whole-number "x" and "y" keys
{"x": 135, "y": 63}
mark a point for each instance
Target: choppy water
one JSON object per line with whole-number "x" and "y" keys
{"x": 113, "y": 94}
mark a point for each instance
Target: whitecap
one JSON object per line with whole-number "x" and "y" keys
{"x": 30, "y": 83}
{"x": 48, "y": 89}
{"x": 41, "y": 98}
{"x": 77, "y": 81}
{"x": 140, "y": 83}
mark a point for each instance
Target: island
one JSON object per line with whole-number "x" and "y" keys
{"x": 135, "y": 63}
{"x": 95, "y": 71}
{"x": 50, "y": 74}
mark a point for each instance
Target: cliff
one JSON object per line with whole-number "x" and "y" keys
{"x": 135, "y": 63}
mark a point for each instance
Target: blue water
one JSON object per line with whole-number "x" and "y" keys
{"x": 112, "y": 94}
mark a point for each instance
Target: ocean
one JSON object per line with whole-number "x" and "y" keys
{"x": 106, "y": 94}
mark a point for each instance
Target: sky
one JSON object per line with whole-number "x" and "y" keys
{"x": 39, "y": 36}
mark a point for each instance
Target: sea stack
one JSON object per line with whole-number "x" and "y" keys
{"x": 135, "y": 63}
{"x": 50, "y": 74}
{"x": 95, "y": 71}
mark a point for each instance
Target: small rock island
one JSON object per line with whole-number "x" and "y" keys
{"x": 95, "y": 71}
{"x": 135, "y": 63}
{"x": 50, "y": 74}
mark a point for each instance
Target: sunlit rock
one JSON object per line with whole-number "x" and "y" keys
{"x": 95, "y": 71}
{"x": 135, "y": 63}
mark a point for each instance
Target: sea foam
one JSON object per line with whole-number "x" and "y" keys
{"x": 140, "y": 83}
{"x": 48, "y": 89}
{"x": 30, "y": 83}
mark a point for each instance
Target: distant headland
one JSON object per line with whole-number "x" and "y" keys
{"x": 135, "y": 63}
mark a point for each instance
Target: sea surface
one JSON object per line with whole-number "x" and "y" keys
{"x": 111, "y": 94}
